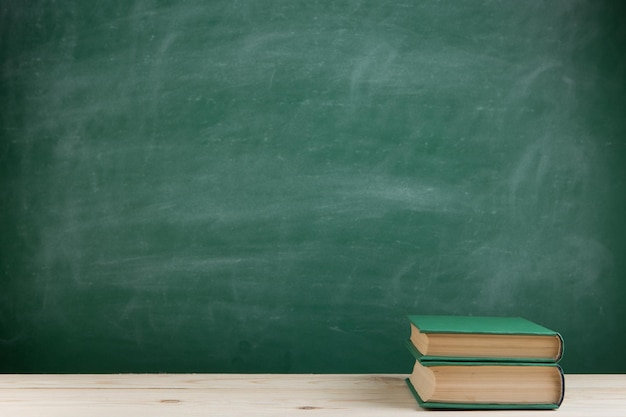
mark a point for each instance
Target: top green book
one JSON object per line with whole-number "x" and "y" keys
{"x": 471, "y": 338}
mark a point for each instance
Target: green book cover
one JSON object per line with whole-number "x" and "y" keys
{"x": 481, "y": 325}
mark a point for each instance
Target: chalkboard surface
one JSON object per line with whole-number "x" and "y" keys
{"x": 271, "y": 186}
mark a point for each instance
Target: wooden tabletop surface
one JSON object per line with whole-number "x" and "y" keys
{"x": 263, "y": 395}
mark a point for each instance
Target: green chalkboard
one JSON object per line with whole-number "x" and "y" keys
{"x": 271, "y": 186}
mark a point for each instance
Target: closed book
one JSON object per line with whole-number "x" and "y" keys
{"x": 506, "y": 386}
{"x": 469, "y": 338}
{"x": 487, "y": 385}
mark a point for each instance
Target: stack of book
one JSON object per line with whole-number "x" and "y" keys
{"x": 485, "y": 363}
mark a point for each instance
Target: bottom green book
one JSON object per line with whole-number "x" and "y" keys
{"x": 476, "y": 385}
{"x": 477, "y": 406}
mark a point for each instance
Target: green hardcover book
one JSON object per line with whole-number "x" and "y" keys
{"x": 486, "y": 385}
{"x": 468, "y": 338}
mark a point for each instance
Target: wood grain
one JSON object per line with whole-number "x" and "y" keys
{"x": 261, "y": 395}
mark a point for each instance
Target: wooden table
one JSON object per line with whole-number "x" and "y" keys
{"x": 263, "y": 395}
